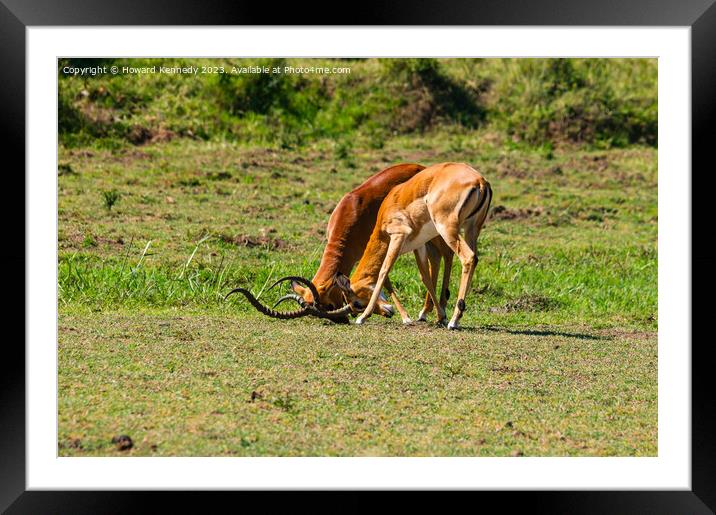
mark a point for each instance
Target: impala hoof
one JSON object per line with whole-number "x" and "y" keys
{"x": 359, "y": 320}
{"x": 453, "y": 326}
{"x": 408, "y": 321}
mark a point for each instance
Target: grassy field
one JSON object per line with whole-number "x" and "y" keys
{"x": 174, "y": 190}
{"x": 191, "y": 384}
{"x": 558, "y": 355}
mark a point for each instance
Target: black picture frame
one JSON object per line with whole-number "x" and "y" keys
{"x": 699, "y": 15}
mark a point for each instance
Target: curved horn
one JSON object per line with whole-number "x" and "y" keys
{"x": 268, "y": 311}
{"x": 291, "y": 296}
{"x": 339, "y": 315}
{"x": 336, "y": 318}
{"x": 301, "y": 280}
{"x": 345, "y": 310}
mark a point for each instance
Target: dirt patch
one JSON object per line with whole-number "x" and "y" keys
{"x": 278, "y": 160}
{"x": 65, "y": 169}
{"x": 599, "y": 214}
{"x": 140, "y": 135}
{"x": 628, "y": 334}
{"x": 98, "y": 115}
{"x": 191, "y": 182}
{"x": 608, "y": 168}
{"x": 527, "y": 303}
{"x": 501, "y": 212}
{"x": 219, "y": 176}
{"x": 504, "y": 369}
{"x": 71, "y": 443}
{"x": 264, "y": 240}
{"x": 122, "y": 442}
{"x": 112, "y": 242}
{"x": 82, "y": 240}
{"x": 161, "y": 135}
{"x": 508, "y": 169}
{"x": 408, "y": 156}
{"x": 81, "y": 153}
{"x": 129, "y": 156}
{"x": 593, "y": 163}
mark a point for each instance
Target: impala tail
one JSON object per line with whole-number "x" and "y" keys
{"x": 483, "y": 194}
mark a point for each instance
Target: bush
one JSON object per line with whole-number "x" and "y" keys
{"x": 255, "y": 92}
{"x": 430, "y": 97}
{"x": 572, "y": 100}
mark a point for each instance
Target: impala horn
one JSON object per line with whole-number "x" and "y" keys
{"x": 312, "y": 310}
{"x": 336, "y": 315}
{"x": 301, "y": 280}
{"x": 291, "y": 296}
{"x": 305, "y": 311}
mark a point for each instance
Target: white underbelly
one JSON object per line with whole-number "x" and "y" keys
{"x": 426, "y": 233}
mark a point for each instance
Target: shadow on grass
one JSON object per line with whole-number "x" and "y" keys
{"x": 537, "y": 332}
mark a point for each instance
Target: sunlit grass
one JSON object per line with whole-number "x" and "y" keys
{"x": 558, "y": 354}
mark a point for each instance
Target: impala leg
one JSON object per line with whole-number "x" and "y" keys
{"x": 447, "y": 269}
{"x": 428, "y": 264}
{"x": 394, "y": 297}
{"x": 396, "y": 244}
{"x": 467, "y": 252}
{"x": 468, "y": 260}
{"x": 433, "y": 258}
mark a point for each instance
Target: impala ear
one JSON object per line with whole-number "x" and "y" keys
{"x": 349, "y": 296}
{"x": 342, "y": 281}
{"x": 297, "y": 288}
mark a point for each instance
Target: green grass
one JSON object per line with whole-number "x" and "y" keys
{"x": 188, "y": 384}
{"x": 558, "y": 355}
{"x": 174, "y": 190}
{"x": 577, "y": 230}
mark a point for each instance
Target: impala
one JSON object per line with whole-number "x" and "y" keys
{"x": 349, "y": 229}
{"x": 438, "y": 201}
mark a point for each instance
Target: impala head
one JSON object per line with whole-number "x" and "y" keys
{"x": 358, "y": 295}
{"x": 329, "y": 295}
{"x": 333, "y": 293}
{"x": 338, "y": 292}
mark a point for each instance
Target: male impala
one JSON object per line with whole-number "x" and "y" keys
{"x": 439, "y": 200}
{"x": 349, "y": 229}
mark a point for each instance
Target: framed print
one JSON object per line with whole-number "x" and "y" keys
{"x": 429, "y": 252}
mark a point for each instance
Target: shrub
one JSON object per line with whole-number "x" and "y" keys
{"x": 572, "y": 100}
{"x": 110, "y": 198}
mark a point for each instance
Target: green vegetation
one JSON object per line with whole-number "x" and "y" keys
{"x": 577, "y": 230}
{"x": 603, "y": 102}
{"x": 558, "y": 354}
{"x": 188, "y": 384}
{"x": 110, "y": 198}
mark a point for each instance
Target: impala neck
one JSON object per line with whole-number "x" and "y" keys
{"x": 331, "y": 263}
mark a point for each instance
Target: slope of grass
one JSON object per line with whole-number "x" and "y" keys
{"x": 539, "y": 102}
